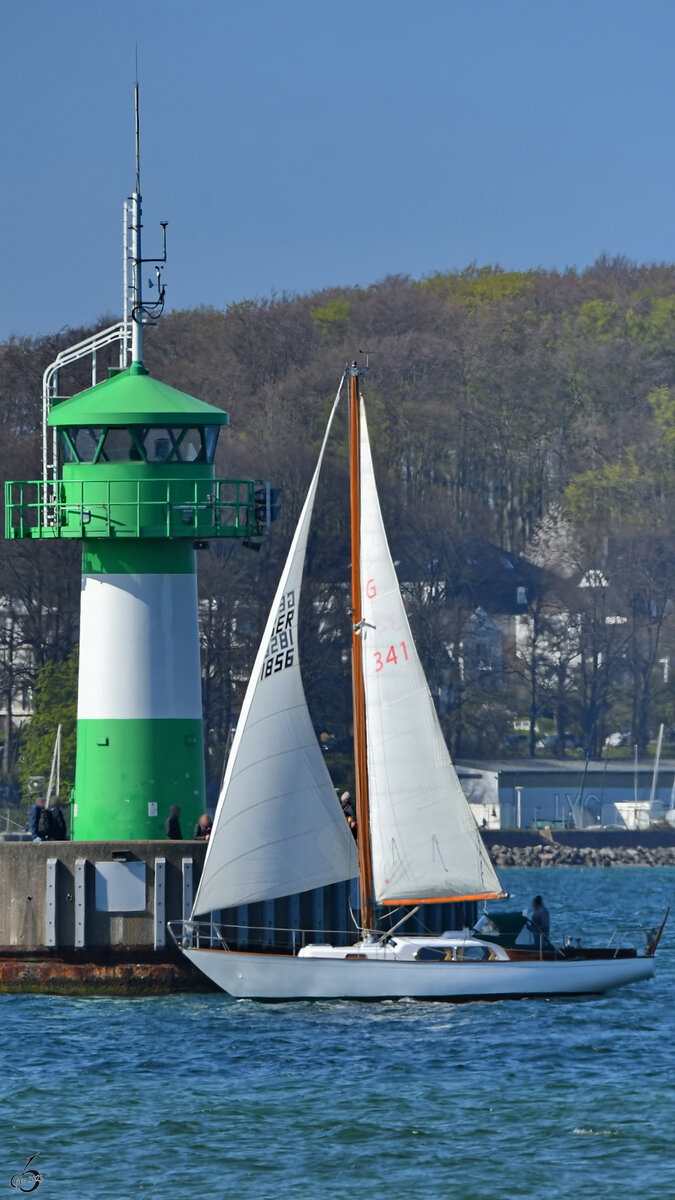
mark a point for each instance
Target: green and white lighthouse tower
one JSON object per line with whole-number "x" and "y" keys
{"x": 136, "y": 484}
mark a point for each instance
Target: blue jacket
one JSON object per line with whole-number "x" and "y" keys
{"x": 34, "y": 817}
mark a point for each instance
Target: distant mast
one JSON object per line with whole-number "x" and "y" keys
{"x": 360, "y": 749}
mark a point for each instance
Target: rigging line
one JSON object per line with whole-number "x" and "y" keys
{"x": 388, "y": 932}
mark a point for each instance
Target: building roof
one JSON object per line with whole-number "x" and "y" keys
{"x": 496, "y": 580}
{"x": 569, "y": 766}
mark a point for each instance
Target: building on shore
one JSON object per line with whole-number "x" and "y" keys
{"x": 522, "y": 794}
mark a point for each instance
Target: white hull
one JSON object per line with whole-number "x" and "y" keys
{"x": 284, "y": 977}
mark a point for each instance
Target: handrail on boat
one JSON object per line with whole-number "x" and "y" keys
{"x": 634, "y": 936}
{"x": 202, "y": 935}
{"x": 199, "y": 935}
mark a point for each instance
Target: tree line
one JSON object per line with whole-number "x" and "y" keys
{"x": 532, "y": 411}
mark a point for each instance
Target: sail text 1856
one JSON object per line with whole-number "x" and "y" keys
{"x": 280, "y": 649}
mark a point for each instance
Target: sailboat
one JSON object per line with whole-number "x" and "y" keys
{"x": 279, "y": 829}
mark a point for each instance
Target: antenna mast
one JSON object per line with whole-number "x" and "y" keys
{"x": 148, "y": 313}
{"x": 135, "y": 314}
{"x": 136, "y": 213}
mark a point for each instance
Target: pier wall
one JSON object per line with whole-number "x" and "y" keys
{"x": 88, "y": 917}
{"x": 79, "y": 895}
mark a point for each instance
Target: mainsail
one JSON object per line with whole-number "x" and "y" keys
{"x": 425, "y": 843}
{"x": 279, "y": 828}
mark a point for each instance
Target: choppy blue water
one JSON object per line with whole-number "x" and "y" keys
{"x": 194, "y": 1096}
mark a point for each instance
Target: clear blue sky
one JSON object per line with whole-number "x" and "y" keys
{"x": 297, "y": 144}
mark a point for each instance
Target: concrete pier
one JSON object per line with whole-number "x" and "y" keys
{"x": 92, "y": 916}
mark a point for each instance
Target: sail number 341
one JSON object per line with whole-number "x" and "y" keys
{"x": 393, "y": 655}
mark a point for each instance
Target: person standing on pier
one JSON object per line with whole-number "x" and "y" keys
{"x": 173, "y": 829}
{"x": 58, "y": 831}
{"x": 38, "y": 820}
{"x": 203, "y": 827}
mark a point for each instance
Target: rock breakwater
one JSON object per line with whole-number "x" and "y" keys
{"x": 552, "y": 854}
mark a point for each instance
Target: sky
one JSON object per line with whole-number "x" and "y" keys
{"x": 295, "y": 145}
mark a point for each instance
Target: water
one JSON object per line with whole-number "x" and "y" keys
{"x": 194, "y": 1096}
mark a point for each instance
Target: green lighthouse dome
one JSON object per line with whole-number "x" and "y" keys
{"x": 132, "y": 417}
{"x": 134, "y": 394}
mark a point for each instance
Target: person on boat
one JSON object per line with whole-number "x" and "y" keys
{"x": 58, "y": 831}
{"x": 346, "y": 803}
{"x": 540, "y": 918}
{"x": 173, "y": 830}
{"x": 203, "y": 827}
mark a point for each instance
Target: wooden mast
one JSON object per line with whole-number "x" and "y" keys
{"x": 359, "y": 700}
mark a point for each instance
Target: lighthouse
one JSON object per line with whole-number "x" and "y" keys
{"x": 134, "y": 481}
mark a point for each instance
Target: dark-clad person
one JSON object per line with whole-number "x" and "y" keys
{"x": 173, "y": 824}
{"x": 540, "y": 918}
{"x": 203, "y": 827}
{"x": 38, "y": 820}
{"x": 58, "y": 831}
{"x": 348, "y": 810}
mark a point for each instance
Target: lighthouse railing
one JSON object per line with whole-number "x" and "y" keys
{"x": 166, "y": 507}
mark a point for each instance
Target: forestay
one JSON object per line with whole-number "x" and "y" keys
{"x": 425, "y": 841}
{"x": 279, "y": 828}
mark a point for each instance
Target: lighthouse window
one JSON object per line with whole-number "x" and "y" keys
{"x": 197, "y": 445}
{"x": 118, "y": 447}
{"x": 210, "y": 438}
{"x": 135, "y": 443}
{"x": 178, "y": 445}
{"x": 190, "y": 446}
{"x": 85, "y": 442}
{"x": 67, "y": 447}
{"x": 158, "y": 444}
